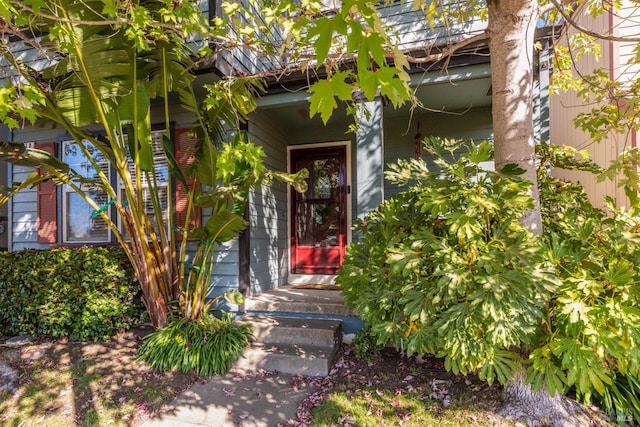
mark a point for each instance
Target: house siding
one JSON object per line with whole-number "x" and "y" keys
{"x": 269, "y": 241}
{"x": 24, "y": 205}
{"x": 475, "y": 124}
{"x": 244, "y": 60}
{"x": 413, "y": 30}
{"x": 565, "y": 106}
{"x": 4, "y": 211}
{"x": 625, "y": 24}
{"x": 409, "y": 27}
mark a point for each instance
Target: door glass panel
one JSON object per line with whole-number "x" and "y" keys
{"x": 324, "y": 180}
{"x": 318, "y": 224}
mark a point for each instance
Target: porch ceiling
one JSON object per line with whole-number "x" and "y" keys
{"x": 455, "y": 92}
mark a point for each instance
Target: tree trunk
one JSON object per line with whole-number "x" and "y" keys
{"x": 511, "y": 31}
{"x": 521, "y": 403}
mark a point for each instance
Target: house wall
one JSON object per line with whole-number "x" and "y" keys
{"x": 564, "y": 107}
{"x": 475, "y": 124}
{"x": 23, "y": 215}
{"x": 244, "y": 60}
{"x": 4, "y": 213}
{"x": 414, "y": 31}
{"x": 269, "y": 241}
{"x": 625, "y": 24}
{"x": 410, "y": 27}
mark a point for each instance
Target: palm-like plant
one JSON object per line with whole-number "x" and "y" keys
{"x": 106, "y": 63}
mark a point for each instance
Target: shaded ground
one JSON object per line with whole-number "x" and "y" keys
{"x": 66, "y": 383}
{"x": 62, "y": 383}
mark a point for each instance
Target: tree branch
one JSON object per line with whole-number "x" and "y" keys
{"x": 447, "y": 52}
{"x": 584, "y": 30}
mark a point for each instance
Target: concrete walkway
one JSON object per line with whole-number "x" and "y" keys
{"x": 246, "y": 399}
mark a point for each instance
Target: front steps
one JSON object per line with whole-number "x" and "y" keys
{"x": 307, "y": 302}
{"x": 292, "y": 345}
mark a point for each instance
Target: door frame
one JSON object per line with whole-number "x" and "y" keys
{"x": 347, "y": 145}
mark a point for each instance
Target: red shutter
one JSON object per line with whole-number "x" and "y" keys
{"x": 47, "y": 222}
{"x": 184, "y": 156}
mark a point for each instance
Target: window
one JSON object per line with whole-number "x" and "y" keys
{"x": 162, "y": 180}
{"x": 79, "y": 226}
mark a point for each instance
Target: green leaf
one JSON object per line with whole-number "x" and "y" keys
{"x": 174, "y": 167}
{"x": 234, "y": 297}
{"x": 324, "y": 92}
{"x": 207, "y": 163}
{"x": 223, "y": 226}
{"x": 511, "y": 169}
{"x": 393, "y": 85}
{"x": 322, "y": 30}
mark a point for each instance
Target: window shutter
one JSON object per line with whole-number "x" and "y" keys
{"x": 184, "y": 156}
{"x": 47, "y": 222}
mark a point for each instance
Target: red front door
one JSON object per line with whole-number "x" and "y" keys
{"x": 319, "y": 215}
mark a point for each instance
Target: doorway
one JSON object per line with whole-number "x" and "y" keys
{"x": 319, "y": 228}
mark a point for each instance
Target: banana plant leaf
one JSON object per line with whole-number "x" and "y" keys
{"x": 138, "y": 103}
{"x": 224, "y": 226}
{"x": 174, "y": 167}
{"x": 206, "y": 163}
{"x": 18, "y": 154}
{"x": 32, "y": 180}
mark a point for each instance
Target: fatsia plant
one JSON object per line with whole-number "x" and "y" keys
{"x": 105, "y": 65}
{"x": 446, "y": 268}
{"x": 592, "y": 323}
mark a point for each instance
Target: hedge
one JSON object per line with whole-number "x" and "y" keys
{"x": 86, "y": 294}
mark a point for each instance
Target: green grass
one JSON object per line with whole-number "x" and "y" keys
{"x": 370, "y": 408}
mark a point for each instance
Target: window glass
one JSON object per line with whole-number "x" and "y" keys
{"x": 79, "y": 224}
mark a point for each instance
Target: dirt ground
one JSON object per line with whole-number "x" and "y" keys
{"x": 67, "y": 383}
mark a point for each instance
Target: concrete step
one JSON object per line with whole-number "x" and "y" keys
{"x": 296, "y": 331}
{"x": 288, "y": 299}
{"x": 289, "y": 359}
{"x": 291, "y": 345}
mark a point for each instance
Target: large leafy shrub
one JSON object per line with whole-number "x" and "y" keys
{"x": 81, "y": 293}
{"x": 593, "y": 334}
{"x": 446, "y": 268}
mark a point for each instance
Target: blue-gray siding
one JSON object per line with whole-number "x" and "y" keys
{"x": 410, "y": 28}
{"x": 269, "y": 243}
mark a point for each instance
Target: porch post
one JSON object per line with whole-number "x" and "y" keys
{"x": 369, "y": 157}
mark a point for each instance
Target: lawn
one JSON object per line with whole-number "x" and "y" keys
{"x": 391, "y": 389}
